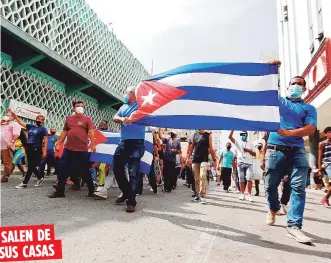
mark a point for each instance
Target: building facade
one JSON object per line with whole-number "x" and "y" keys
{"x": 57, "y": 51}
{"x": 304, "y": 29}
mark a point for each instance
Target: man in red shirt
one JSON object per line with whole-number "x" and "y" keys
{"x": 78, "y": 129}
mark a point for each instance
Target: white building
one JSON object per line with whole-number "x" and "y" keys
{"x": 305, "y": 49}
{"x": 304, "y": 29}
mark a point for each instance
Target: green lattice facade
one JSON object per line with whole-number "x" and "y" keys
{"x": 71, "y": 29}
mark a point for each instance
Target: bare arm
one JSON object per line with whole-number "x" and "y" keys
{"x": 157, "y": 141}
{"x": 118, "y": 119}
{"x": 45, "y": 146}
{"x": 307, "y": 130}
{"x": 189, "y": 151}
{"x": 232, "y": 139}
{"x": 320, "y": 155}
{"x": 220, "y": 161}
{"x": 92, "y": 139}
{"x": 161, "y": 135}
{"x": 211, "y": 148}
{"x": 19, "y": 120}
{"x": 62, "y": 137}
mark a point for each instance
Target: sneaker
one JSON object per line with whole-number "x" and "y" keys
{"x": 120, "y": 200}
{"x": 196, "y": 199}
{"x": 56, "y": 195}
{"x": 21, "y": 186}
{"x": 99, "y": 188}
{"x": 202, "y": 201}
{"x": 271, "y": 218}
{"x": 39, "y": 182}
{"x": 242, "y": 197}
{"x": 249, "y": 198}
{"x": 4, "y": 179}
{"x": 101, "y": 194}
{"x": 130, "y": 209}
{"x": 325, "y": 202}
{"x": 151, "y": 189}
{"x": 298, "y": 235}
{"x": 237, "y": 192}
{"x": 284, "y": 207}
{"x": 23, "y": 177}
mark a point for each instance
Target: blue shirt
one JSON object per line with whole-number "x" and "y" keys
{"x": 51, "y": 143}
{"x": 228, "y": 157}
{"x": 293, "y": 115}
{"x": 130, "y": 131}
{"x": 36, "y": 135}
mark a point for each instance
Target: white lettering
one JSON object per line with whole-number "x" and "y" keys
{"x": 24, "y": 251}
{"x": 52, "y": 252}
{"x": 8, "y": 252}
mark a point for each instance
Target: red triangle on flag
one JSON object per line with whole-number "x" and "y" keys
{"x": 153, "y": 95}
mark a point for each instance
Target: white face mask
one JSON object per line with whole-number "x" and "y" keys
{"x": 79, "y": 110}
{"x": 6, "y": 118}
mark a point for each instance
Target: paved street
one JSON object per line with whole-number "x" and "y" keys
{"x": 167, "y": 227}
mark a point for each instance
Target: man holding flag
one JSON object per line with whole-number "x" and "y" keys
{"x": 129, "y": 151}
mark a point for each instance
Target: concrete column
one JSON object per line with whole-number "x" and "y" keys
{"x": 313, "y": 149}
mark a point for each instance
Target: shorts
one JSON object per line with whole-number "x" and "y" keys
{"x": 18, "y": 157}
{"x": 245, "y": 172}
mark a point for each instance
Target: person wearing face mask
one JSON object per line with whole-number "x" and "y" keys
{"x": 10, "y": 131}
{"x": 226, "y": 163}
{"x": 201, "y": 146}
{"x": 286, "y": 152}
{"x": 50, "y": 159}
{"x": 172, "y": 148}
{"x": 78, "y": 130}
{"x": 129, "y": 151}
{"x": 258, "y": 172}
{"x": 36, "y": 148}
{"x": 245, "y": 164}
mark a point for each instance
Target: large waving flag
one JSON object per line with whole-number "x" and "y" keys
{"x": 105, "y": 150}
{"x": 214, "y": 96}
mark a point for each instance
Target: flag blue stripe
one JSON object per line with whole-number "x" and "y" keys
{"x": 116, "y": 140}
{"x": 208, "y": 123}
{"x": 228, "y": 96}
{"x": 241, "y": 69}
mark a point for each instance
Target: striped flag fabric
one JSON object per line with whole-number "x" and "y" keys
{"x": 105, "y": 150}
{"x": 213, "y": 96}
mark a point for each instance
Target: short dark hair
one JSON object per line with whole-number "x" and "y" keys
{"x": 74, "y": 103}
{"x": 299, "y": 77}
{"x": 327, "y": 129}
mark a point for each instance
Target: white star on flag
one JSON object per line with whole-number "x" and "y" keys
{"x": 149, "y": 98}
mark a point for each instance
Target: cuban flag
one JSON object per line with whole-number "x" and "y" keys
{"x": 212, "y": 96}
{"x": 106, "y": 149}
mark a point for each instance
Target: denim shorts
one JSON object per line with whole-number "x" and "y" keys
{"x": 245, "y": 172}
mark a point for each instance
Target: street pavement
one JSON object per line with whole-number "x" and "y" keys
{"x": 167, "y": 227}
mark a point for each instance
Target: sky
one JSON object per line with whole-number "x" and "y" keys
{"x": 172, "y": 33}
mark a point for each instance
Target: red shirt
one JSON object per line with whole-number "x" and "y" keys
{"x": 77, "y": 127}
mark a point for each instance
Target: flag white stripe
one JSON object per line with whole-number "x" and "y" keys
{"x": 206, "y": 108}
{"x": 225, "y": 81}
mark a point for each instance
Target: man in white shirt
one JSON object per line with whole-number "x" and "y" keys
{"x": 245, "y": 164}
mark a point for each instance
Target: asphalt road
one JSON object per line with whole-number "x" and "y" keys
{"x": 167, "y": 227}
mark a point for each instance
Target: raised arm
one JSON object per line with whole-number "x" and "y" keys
{"x": 232, "y": 139}
{"x": 161, "y": 135}
{"x": 18, "y": 119}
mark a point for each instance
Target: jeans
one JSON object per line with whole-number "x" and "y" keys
{"x": 33, "y": 155}
{"x": 226, "y": 177}
{"x": 50, "y": 161}
{"x": 168, "y": 175}
{"x": 75, "y": 165}
{"x": 295, "y": 162}
{"x": 128, "y": 152}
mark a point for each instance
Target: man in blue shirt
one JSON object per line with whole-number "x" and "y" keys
{"x": 286, "y": 152}
{"x": 50, "y": 159}
{"x": 129, "y": 151}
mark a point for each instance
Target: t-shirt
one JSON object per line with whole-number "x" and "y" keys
{"x": 132, "y": 130}
{"x": 7, "y": 132}
{"x": 36, "y": 135}
{"x": 228, "y": 157}
{"x": 244, "y": 157}
{"x": 169, "y": 155}
{"x": 77, "y": 127}
{"x": 293, "y": 115}
{"x": 51, "y": 143}
{"x": 201, "y": 147}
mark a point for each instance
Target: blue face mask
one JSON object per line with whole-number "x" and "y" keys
{"x": 244, "y": 138}
{"x": 295, "y": 91}
{"x": 126, "y": 98}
